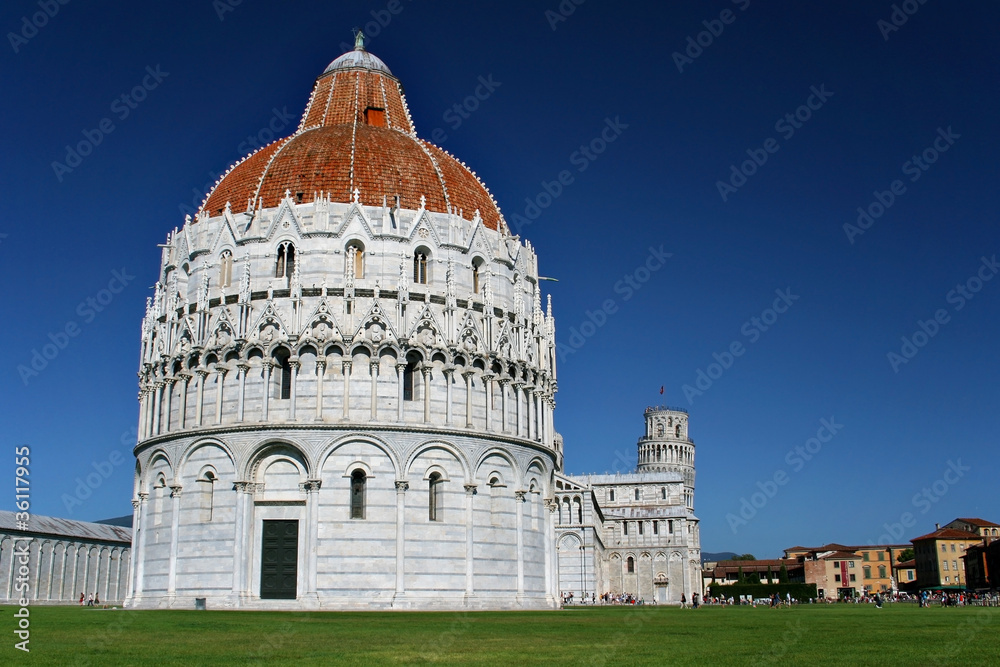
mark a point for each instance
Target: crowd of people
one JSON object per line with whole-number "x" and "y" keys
{"x": 93, "y": 600}
{"x": 775, "y": 600}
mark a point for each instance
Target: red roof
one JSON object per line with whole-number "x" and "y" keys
{"x": 355, "y": 133}
{"x": 841, "y": 555}
{"x": 948, "y": 534}
{"x": 906, "y": 564}
{"x": 980, "y": 522}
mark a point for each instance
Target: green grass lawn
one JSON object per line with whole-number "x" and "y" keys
{"x": 810, "y": 634}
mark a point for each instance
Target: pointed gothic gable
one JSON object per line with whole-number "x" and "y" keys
{"x": 479, "y": 242}
{"x": 470, "y": 335}
{"x": 505, "y": 345}
{"x": 426, "y": 330}
{"x": 284, "y": 220}
{"x": 223, "y": 330}
{"x": 355, "y": 217}
{"x": 423, "y": 221}
{"x": 376, "y": 327}
{"x": 321, "y": 325}
{"x": 269, "y": 327}
{"x": 225, "y": 236}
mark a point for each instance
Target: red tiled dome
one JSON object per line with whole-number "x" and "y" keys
{"x": 355, "y": 133}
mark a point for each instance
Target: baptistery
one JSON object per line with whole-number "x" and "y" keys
{"x": 347, "y": 380}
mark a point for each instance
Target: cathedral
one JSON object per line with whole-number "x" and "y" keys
{"x": 346, "y": 394}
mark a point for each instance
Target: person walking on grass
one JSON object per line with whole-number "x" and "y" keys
{"x": 684, "y": 601}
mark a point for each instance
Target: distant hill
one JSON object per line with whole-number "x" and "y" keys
{"x": 714, "y": 557}
{"x": 124, "y": 521}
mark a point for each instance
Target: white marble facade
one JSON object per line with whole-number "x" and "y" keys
{"x": 262, "y": 400}
{"x": 634, "y": 533}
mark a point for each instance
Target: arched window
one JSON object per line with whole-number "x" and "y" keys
{"x": 420, "y": 267}
{"x": 640, "y": 526}
{"x": 206, "y": 494}
{"x": 677, "y": 431}
{"x": 656, "y": 528}
{"x": 476, "y": 264}
{"x": 663, "y": 492}
{"x": 637, "y": 494}
{"x": 435, "y": 489}
{"x": 284, "y": 267}
{"x": 579, "y": 510}
{"x": 282, "y": 374}
{"x": 624, "y": 527}
{"x": 611, "y": 494}
{"x": 408, "y": 380}
{"x": 630, "y": 565}
{"x": 868, "y": 571}
{"x": 356, "y": 258}
{"x": 226, "y": 269}
{"x": 358, "y": 483}
{"x": 881, "y": 571}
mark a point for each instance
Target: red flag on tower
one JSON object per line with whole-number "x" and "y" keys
{"x": 661, "y": 388}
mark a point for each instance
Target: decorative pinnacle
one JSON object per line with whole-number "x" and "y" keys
{"x": 359, "y": 40}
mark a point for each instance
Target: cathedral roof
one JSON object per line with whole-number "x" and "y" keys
{"x": 356, "y": 134}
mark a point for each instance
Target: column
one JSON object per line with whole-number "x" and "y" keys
{"x": 470, "y": 493}
{"x": 175, "y": 515}
{"x": 529, "y": 403}
{"x": 293, "y": 363}
{"x": 242, "y": 366}
{"x": 468, "y": 397}
{"x": 346, "y": 365}
{"x": 52, "y": 559}
{"x": 140, "y": 555}
{"x": 320, "y": 375}
{"x": 517, "y": 408}
{"x": 268, "y": 365}
{"x": 157, "y": 398}
{"x": 449, "y": 373}
{"x": 239, "y": 538}
{"x": 170, "y": 381}
{"x": 401, "y": 487}
{"x": 143, "y": 396}
{"x": 487, "y": 381}
{"x": 373, "y": 365}
{"x": 400, "y": 369}
{"x": 503, "y": 404}
{"x": 426, "y": 370}
{"x": 200, "y": 397}
{"x": 220, "y": 372}
{"x": 312, "y": 534}
{"x": 185, "y": 379}
{"x": 519, "y": 522}
{"x": 551, "y": 569}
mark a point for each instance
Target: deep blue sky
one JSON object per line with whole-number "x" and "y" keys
{"x": 656, "y": 184}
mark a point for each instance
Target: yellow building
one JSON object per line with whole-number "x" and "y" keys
{"x": 939, "y": 557}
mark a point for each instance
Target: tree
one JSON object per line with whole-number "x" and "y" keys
{"x": 783, "y": 574}
{"x": 904, "y": 555}
{"x": 740, "y": 579}
{"x": 745, "y": 557}
{"x": 770, "y": 576}
{"x": 753, "y": 578}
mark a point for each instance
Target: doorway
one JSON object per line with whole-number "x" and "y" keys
{"x": 279, "y": 559}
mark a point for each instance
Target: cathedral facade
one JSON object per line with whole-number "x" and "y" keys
{"x": 347, "y": 383}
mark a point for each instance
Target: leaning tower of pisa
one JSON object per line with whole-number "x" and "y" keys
{"x": 666, "y": 446}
